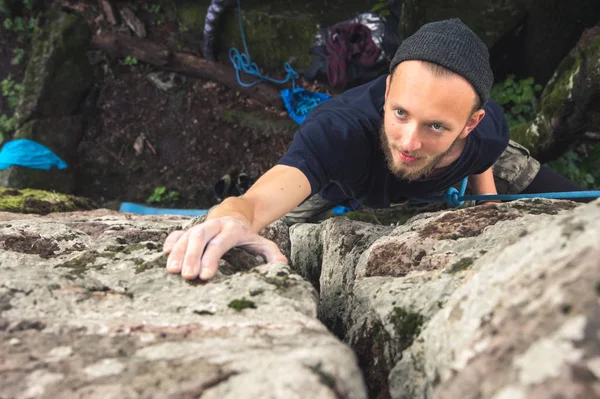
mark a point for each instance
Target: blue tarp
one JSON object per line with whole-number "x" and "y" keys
{"x": 146, "y": 210}
{"x": 29, "y": 154}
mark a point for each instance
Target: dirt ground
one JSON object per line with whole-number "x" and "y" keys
{"x": 190, "y": 136}
{"x": 190, "y": 142}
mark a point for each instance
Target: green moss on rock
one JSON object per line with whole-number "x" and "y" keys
{"x": 241, "y": 304}
{"x": 41, "y": 202}
{"x": 525, "y": 135}
{"x": 58, "y": 73}
{"x": 158, "y": 263}
{"x": 407, "y": 325}
{"x": 461, "y": 265}
{"x": 559, "y": 89}
{"x": 81, "y": 264}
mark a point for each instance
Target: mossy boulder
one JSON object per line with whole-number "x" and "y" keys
{"x": 276, "y": 32}
{"x": 60, "y": 135}
{"x": 40, "y": 202}
{"x": 490, "y": 20}
{"x": 569, "y": 101}
{"x": 58, "y": 74}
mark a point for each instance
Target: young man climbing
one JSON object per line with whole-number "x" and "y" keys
{"x": 417, "y": 131}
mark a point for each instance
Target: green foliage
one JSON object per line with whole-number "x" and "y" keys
{"x": 157, "y": 12}
{"x": 18, "y": 55}
{"x": 518, "y": 98}
{"x": 162, "y": 195}
{"x": 382, "y": 7}
{"x": 12, "y": 91}
{"x": 241, "y": 304}
{"x": 129, "y": 60}
{"x": 22, "y": 25}
{"x": 584, "y": 171}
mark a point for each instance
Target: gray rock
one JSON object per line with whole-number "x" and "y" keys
{"x": 60, "y": 135}
{"x": 496, "y": 301}
{"x": 568, "y": 102}
{"x": 57, "y": 79}
{"x": 98, "y": 316}
{"x": 58, "y": 72}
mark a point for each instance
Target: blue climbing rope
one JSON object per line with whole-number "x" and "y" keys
{"x": 456, "y": 198}
{"x": 242, "y": 62}
{"x": 298, "y": 101}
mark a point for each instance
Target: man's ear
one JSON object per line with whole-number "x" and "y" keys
{"x": 472, "y": 122}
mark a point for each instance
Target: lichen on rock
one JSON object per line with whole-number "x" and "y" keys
{"x": 41, "y": 202}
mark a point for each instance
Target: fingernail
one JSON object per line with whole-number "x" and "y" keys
{"x": 173, "y": 264}
{"x": 204, "y": 274}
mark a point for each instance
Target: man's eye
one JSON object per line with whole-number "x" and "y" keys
{"x": 400, "y": 113}
{"x": 437, "y": 127}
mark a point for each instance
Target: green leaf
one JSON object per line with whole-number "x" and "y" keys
{"x": 570, "y": 155}
{"x": 378, "y": 7}
{"x": 589, "y": 178}
{"x": 19, "y": 24}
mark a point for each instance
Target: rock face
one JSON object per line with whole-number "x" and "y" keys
{"x": 490, "y": 20}
{"x": 87, "y": 310}
{"x": 497, "y": 301}
{"x": 570, "y": 105}
{"x": 494, "y": 301}
{"x": 57, "y": 79}
{"x": 41, "y": 202}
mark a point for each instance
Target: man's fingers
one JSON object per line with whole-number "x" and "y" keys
{"x": 175, "y": 259}
{"x": 267, "y": 248}
{"x": 272, "y": 253}
{"x": 171, "y": 240}
{"x": 215, "y": 249}
{"x": 199, "y": 237}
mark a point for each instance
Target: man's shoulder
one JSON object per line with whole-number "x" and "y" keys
{"x": 493, "y": 126}
{"x": 359, "y": 106}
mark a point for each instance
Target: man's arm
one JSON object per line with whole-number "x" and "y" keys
{"x": 483, "y": 184}
{"x": 272, "y": 196}
{"x": 236, "y": 223}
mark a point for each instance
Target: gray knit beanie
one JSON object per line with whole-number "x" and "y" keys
{"x": 451, "y": 44}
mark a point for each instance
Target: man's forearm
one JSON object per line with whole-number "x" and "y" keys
{"x": 236, "y": 207}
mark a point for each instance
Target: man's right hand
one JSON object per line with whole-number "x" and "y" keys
{"x": 196, "y": 252}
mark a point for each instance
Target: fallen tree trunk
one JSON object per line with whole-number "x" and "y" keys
{"x": 184, "y": 63}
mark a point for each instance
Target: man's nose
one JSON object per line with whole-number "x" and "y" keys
{"x": 410, "y": 140}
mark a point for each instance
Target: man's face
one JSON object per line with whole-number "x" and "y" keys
{"x": 426, "y": 119}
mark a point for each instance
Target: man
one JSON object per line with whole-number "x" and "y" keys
{"x": 417, "y": 131}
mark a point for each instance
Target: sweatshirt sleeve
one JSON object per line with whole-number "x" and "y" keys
{"x": 494, "y": 133}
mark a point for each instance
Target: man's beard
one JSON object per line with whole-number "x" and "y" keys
{"x": 410, "y": 173}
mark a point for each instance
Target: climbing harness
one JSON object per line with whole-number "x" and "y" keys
{"x": 456, "y": 198}
{"x": 298, "y": 101}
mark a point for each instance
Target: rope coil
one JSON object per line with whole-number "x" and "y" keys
{"x": 242, "y": 62}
